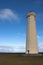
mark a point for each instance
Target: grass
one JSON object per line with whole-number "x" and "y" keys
{"x": 20, "y": 59}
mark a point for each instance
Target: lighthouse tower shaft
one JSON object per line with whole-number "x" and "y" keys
{"x": 31, "y": 40}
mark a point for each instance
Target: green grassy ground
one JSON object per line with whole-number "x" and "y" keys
{"x": 17, "y": 59}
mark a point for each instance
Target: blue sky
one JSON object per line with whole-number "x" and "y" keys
{"x": 13, "y": 24}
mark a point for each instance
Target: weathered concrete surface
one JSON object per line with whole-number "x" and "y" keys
{"x": 20, "y": 59}
{"x": 31, "y": 40}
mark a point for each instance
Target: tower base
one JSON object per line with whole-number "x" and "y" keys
{"x": 28, "y": 52}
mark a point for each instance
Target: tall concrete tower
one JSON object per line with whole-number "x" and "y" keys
{"x": 31, "y": 40}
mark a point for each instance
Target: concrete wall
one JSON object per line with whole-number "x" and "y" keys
{"x": 31, "y": 42}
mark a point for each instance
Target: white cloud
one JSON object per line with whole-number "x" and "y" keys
{"x": 16, "y": 48}
{"x": 6, "y": 49}
{"x": 41, "y": 46}
{"x": 38, "y": 36}
{"x": 8, "y": 14}
{"x": 19, "y": 49}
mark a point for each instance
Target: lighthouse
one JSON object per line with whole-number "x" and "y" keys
{"x": 31, "y": 37}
